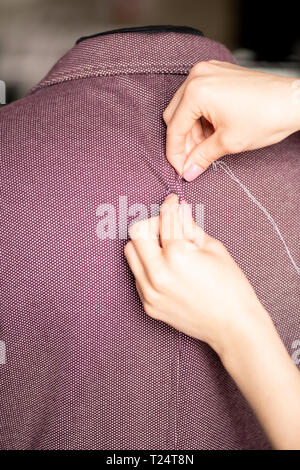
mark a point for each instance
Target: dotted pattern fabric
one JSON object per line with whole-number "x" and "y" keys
{"x": 86, "y": 368}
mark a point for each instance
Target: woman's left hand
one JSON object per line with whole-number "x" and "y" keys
{"x": 189, "y": 280}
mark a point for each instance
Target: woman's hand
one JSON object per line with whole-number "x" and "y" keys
{"x": 188, "y": 279}
{"x": 221, "y": 109}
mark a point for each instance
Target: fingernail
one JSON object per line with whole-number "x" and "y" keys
{"x": 192, "y": 172}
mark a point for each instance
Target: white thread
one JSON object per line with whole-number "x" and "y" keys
{"x": 229, "y": 172}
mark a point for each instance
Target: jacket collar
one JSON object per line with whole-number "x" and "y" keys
{"x": 150, "y": 49}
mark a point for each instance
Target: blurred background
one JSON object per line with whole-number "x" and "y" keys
{"x": 34, "y": 34}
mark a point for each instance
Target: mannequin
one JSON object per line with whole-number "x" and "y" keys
{"x": 86, "y": 368}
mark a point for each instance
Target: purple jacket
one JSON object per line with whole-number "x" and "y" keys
{"x": 85, "y": 367}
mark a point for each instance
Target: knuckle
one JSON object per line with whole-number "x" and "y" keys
{"x": 151, "y": 312}
{"x": 151, "y": 296}
{"x": 137, "y": 229}
{"x": 159, "y": 280}
{"x": 198, "y": 88}
{"x": 172, "y": 127}
{"x": 199, "y": 68}
{"x": 203, "y": 159}
{"x": 166, "y": 115}
{"x": 174, "y": 254}
{"x": 193, "y": 86}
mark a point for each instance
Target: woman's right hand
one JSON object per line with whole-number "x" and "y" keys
{"x": 223, "y": 108}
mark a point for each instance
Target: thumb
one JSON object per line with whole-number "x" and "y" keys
{"x": 202, "y": 156}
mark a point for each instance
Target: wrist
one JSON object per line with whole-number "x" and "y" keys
{"x": 294, "y": 108}
{"x": 251, "y": 329}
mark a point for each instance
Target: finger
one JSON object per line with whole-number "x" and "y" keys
{"x": 183, "y": 119}
{"x": 198, "y": 131}
{"x": 189, "y": 143}
{"x": 194, "y": 137}
{"x": 145, "y": 238}
{"x": 170, "y": 222}
{"x": 134, "y": 262}
{"x": 170, "y": 109}
{"x": 202, "y": 156}
{"x": 191, "y": 230}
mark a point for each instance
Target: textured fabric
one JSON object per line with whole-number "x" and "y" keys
{"x": 86, "y": 368}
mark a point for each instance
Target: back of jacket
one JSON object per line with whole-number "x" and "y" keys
{"x": 81, "y": 156}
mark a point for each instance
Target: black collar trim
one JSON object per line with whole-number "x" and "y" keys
{"x": 148, "y": 29}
